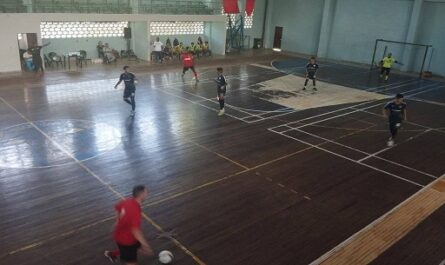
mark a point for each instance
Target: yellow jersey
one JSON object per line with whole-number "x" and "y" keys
{"x": 387, "y": 62}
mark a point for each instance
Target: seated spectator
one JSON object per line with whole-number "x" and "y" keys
{"x": 27, "y": 56}
{"x": 109, "y": 55}
{"x": 206, "y": 49}
{"x": 168, "y": 42}
{"x": 167, "y": 52}
{"x": 100, "y": 49}
{"x": 175, "y": 42}
{"x": 196, "y": 49}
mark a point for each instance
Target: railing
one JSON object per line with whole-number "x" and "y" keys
{"x": 192, "y": 7}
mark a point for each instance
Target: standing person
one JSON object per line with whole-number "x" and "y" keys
{"x": 386, "y": 64}
{"x": 130, "y": 88}
{"x": 395, "y": 111}
{"x": 127, "y": 230}
{"x": 221, "y": 87}
{"x": 157, "y": 48}
{"x": 188, "y": 63}
{"x": 37, "y": 58}
{"x": 27, "y": 57}
{"x": 175, "y": 42}
{"x": 311, "y": 70}
{"x": 100, "y": 49}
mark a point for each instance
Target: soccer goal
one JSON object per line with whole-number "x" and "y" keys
{"x": 411, "y": 57}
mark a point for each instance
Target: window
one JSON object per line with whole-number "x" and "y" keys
{"x": 248, "y": 20}
{"x": 58, "y": 30}
{"x": 176, "y": 28}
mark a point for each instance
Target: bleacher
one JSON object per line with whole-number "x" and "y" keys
{"x": 192, "y": 7}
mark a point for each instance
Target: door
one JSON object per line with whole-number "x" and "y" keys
{"x": 277, "y": 38}
{"x": 32, "y": 39}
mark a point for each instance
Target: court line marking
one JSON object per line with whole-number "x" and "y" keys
{"x": 187, "y": 192}
{"x": 325, "y": 256}
{"x": 118, "y": 194}
{"x": 350, "y": 159}
{"x": 428, "y": 101}
{"x": 369, "y": 155}
{"x": 387, "y": 148}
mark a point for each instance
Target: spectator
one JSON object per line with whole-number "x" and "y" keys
{"x": 27, "y": 56}
{"x": 100, "y": 49}
{"x": 157, "y": 48}
{"x": 168, "y": 42}
{"x": 206, "y": 49}
{"x": 200, "y": 42}
{"x": 175, "y": 42}
{"x": 108, "y": 54}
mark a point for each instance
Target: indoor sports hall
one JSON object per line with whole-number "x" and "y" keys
{"x": 220, "y": 132}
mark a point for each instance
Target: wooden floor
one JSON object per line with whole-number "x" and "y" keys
{"x": 264, "y": 184}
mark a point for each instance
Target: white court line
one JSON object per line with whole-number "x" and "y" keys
{"x": 398, "y": 84}
{"x": 87, "y": 169}
{"x": 371, "y": 225}
{"x": 369, "y": 155}
{"x": 428, "y": 101}
{"x": 349, "y": 159}
{"x": 387, "y": 148}
{"x": 345, "y": 114}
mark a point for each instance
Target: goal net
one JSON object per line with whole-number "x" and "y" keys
{"x": 411, "y": 57}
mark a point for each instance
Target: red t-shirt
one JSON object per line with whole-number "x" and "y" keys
{"x": 129, "y": 212}
{"x": 187, "y": 59}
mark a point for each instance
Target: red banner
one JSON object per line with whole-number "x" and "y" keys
{"x": 231, "y": 6}
{"x": 250, "y": 5}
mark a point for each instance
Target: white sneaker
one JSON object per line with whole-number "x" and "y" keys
{"x": 221, "y": 112}
{"x": 390, "y": 142}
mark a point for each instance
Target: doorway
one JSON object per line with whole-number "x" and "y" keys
{"x": 277, "y": 38}
{"x": 25, "y": 42}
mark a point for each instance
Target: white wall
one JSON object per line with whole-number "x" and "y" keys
{"x": 12, "y": 24}
{"x": 63, "y": 46}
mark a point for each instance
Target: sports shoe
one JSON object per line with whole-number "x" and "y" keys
{"x": 112, "y": 258}
{"x": 386, "y": 78}
{"x": 304, "y": 88}
{"x": 221, "y": 112}
{"x": 315, "y": 89}
{"x": 390, "y": 142}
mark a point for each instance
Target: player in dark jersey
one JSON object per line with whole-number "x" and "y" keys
{"x": 221, "y": 85}
{"x": 395, "y": 111}
{"x": 311, "y": 70}
{"x": 130, "y": 88}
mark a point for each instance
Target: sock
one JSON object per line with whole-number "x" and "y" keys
{"x": 133, "y": 104}
{"x": 305, "y": 82}
{"x": 221, "y": 103}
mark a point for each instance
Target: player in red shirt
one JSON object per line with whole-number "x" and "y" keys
{"x": 127, "y": 230}
{"x": 188, "y": 63}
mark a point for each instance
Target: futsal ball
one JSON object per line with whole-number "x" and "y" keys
{"x": 165, "y": 257}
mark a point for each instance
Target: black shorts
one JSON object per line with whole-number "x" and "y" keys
{"x": 311, "y": 76}
{"x": 386, "y": 70}
{"x": 185, "y": 69}
{"x": 129, "y": 91}
{"x": 129, "y": 253}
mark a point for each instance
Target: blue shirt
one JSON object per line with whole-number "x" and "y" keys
{"x": 128, "y": 79}
{"x": 311, "y": 68}
{"x": 396, "y": 111}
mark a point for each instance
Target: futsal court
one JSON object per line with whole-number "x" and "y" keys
{"x": 264, "y": 184}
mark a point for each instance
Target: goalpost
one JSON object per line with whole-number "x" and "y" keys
{"x": 411, "y": 56}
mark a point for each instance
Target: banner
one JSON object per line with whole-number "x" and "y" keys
{"x": 231, "y": 6}
{"x": 250, "y": 5}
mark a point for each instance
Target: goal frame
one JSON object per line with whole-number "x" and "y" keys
{"x": 426, "y": 46}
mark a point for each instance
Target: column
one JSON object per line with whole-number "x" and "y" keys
{"x": 326, "y": 27}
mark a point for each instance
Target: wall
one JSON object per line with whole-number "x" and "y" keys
{"x": 12, "y": 24}
{"x": 140, "y": 39}
{"x": 431, "y": 31}
{"x": 301, "y": 21}
{"x": 358, "y": 23}
{"x": 63, "y": 46}
{"x": 352, "y": 26}
{"x": 258, "y": 17}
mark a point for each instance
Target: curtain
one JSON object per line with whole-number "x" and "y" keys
{"x": 250, "y": 5}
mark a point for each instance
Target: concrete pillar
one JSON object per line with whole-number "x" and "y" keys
{"x": 409, "y": 51}
{"x": 326, "y": 27}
